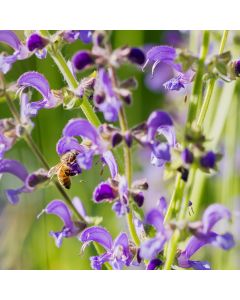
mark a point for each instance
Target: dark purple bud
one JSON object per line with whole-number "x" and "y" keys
{"x": 116, "y": 139}
{"x": 36, "y": 178}
{"x": 187, "y": 156}
{"x": 138, "y": 198}
{"x": 99, "y": 98}
{"x": 128, "y": 139}
{"x": 237, "y": 68}
{"x": 154, "y": 263}
{"x": 208, "y": 160}
{"x": 36, "y": 42}
{"x": 136, "y": 56}
{"x": 81, "y": 60}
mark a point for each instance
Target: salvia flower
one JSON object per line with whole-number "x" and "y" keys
{"x": 203, "y": 235}
{"x": 117, "y": 253}
{"x": 154, "y": 264}
{"x": 116, "y": 191}
{"x": 153, "y": 246}
{"x": 105, "y": 98}
{"x": 179, "y": 82}
{"x": 29, "y": 181}
{"x": 70, "y": 228}
{"x": 92, "y": 144}
{"x": 187, "y": 156}
{"x": 38, "y": 82}
{"x": 20, "y": 51}
{"x": 37, "y": 43}
{"x": 160, "y": 124}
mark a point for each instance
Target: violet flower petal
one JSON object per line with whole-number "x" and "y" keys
{"x": 155, "y": 218}
{"x": 79, "y": 207}
{"x": 97, "y": 234}
{"x": 10, "y": 38}
{"x": 104, "y": 192}
{"x": 66, "y": 144}
{"x": 98, "y": 261}
{"x": 83, "y": 128}
{"x": 109, "y": 159}
{"x": 60, "y": 209}
{"x": 213, "y": 214}
{"x": 40, "y": 83}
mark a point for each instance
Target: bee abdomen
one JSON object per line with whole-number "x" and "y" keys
{"x": 64, "y": 179}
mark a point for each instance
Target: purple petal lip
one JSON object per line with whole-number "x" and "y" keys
{"x": 81, "y": 60}
{"x": 104, "y": 192}
{"x": 97, "y": 234}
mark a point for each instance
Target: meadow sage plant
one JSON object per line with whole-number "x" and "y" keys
{"x": 184, "y": 150}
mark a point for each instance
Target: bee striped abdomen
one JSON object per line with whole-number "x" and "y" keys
{"x": 63, "y": 177}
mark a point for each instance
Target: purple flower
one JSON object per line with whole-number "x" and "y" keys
{"x": 117, "y": 253}
{"x": 116, "y": 191}
{"x": 82, "y": 60}
{"x": 70, "y": 228}
{"x": 72, "y": 35}
{"x": 92, "y": 144}
{"x": 163, "y": 54}
{"x": 30, "y": 181}
{"x": 38, "y": 82}
{"x": 20, "y": 51}
{"x": 152, "y": 247}
{"x": 203, "y": 235}
{"x": 105, "y": 98}
{"x": 159, "y": 123}
{"x": 37, "y": 43}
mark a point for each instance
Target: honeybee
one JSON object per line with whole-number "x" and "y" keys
{"x": 63, "y": 169}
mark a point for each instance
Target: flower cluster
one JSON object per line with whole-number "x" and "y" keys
{"x": 164, "y": 237}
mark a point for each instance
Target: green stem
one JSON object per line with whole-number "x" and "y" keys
{"x": 128, "y": 174}
{"x": 172, "y": 247}
{"x": 197, "y": 87}
{"x": 211, "y": 84}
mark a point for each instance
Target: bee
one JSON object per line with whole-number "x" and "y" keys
{"x": 63, "y": 169}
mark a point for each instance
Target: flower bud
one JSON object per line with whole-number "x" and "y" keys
{"x": 36, "y": 42}
{"x": 136, "y": 56}
{"x": 81, "y": 60}
{"x": 138, "y": 198}
{"x": 208, "y": 160}
{"x": 128, "y": 139}
{"x": 116, "y": 139}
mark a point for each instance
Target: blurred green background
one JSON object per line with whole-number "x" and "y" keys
{"x": 24, "y": 240}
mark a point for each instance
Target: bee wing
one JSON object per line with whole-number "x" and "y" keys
{"x": 54, "y": 170}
